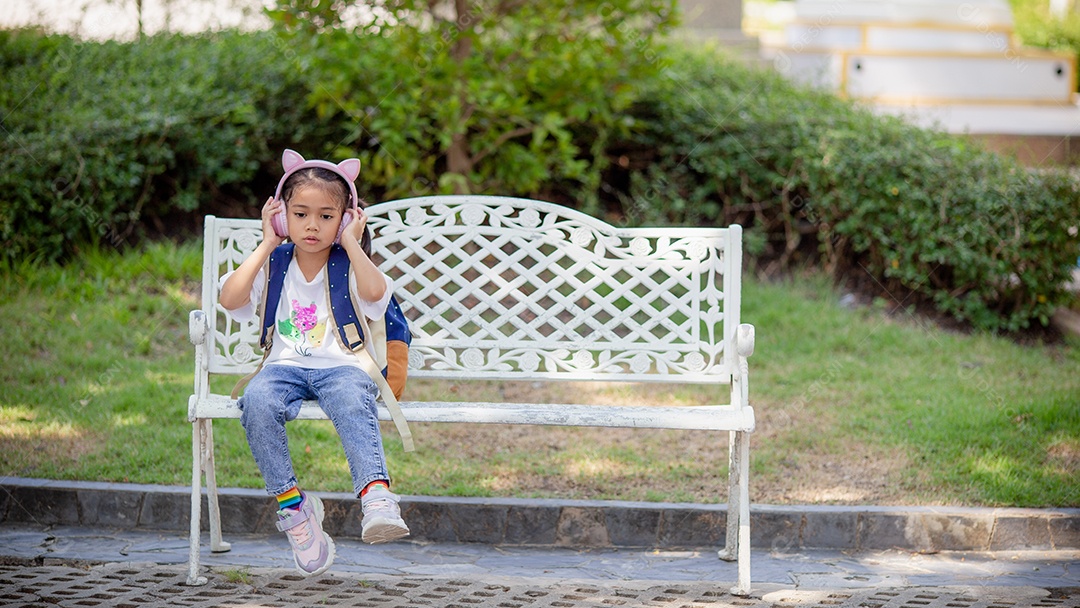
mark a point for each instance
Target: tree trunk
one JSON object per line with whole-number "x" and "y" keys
{"x": 138, "y": 14}
{"x": 458, "y": 159}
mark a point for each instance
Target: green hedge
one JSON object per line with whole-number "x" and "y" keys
{"x": 114, "y": 141}
{"x": 108, "y": 142}
{"x": 916, "y": 216}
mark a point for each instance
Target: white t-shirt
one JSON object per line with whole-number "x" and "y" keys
{"x": 304, "y": 333}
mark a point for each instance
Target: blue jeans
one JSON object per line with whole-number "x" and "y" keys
{"x": 346, "y": 394}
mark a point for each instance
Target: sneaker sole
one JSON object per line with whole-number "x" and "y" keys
{"x": 383, "y": 531}
{"x": 330, "y": 549}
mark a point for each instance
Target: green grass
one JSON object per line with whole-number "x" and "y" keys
{"x": 854, "y": 406}
{"x": 238, "y": 575}
{"x": 980, "y": 420}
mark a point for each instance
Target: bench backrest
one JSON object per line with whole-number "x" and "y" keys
{"x": 504, "y": 288}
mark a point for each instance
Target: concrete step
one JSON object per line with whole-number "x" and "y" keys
{"x": 561, "y": 523}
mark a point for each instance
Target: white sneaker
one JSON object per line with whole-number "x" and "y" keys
{"x": 382, "y": 517}
{"x": 313, "y": 549}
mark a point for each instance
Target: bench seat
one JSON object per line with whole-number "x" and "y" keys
{"x": 694, "y": 417}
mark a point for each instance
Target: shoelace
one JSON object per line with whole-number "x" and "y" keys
{"x": 301, "y": 534}
{"x": 380, "y": 504}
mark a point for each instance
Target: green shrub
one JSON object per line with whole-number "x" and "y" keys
{"x": 923, "y": 217}
{"x": 479, "y": 95}
{"x": 109, "y": 141}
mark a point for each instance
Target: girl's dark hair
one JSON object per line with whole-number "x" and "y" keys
{"x": 326, "y": 180}
{"x": 333, "y": 185}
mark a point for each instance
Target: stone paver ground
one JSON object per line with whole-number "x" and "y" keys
{"x": 78, "y": 566}
{"x": 147, "y": 585}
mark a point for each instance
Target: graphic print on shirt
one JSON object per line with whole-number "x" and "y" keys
{"x": 303, "y": 328}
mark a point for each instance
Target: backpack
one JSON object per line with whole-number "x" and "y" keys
{"x": 384, "y": 356}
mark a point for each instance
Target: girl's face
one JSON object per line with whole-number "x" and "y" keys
{"x": 314, "y": 217}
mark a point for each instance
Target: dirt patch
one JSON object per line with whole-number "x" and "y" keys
{"x": 863, "y": 476}
{"x": 1065, "y": 455}
{"x": 651, "y": 464}
{"x": 26, "y": 448}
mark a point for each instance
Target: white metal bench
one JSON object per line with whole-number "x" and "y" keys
{"x": 512, "y": 289}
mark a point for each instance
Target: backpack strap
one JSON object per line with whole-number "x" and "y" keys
{"x": 372, "y": 368}
{"x": 344, "y": 310}
{"x": 274, "y": 270}
{"x": 352, "y": 327}
{"x": 242, "y": 382}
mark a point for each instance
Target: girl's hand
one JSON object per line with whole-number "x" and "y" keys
{"x": 355, "y": 230}
{"x": 270, "y": 209}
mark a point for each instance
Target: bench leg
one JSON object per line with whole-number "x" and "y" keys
{"x": 196, "y": 505}
{"x": 742, "y": 587}
{"x": 731, "y": 539}
{"x": 202, "y": 462}
{"x": 737, "y": 539}
{"x": 216, "y": 544}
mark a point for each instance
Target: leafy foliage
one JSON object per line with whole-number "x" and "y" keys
{"x": 924, "y": 217}
{"x": 1036, "y": 26}
{"x": 108, "y": 141}
{"x": 575, "y": 102}
{"x": 480, "y": 95}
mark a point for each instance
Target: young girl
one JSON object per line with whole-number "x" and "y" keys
{"x": 307, "y": 360}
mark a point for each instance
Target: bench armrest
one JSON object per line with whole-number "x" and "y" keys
{"x": 740, "y": 381}
{"x": 744, "y": 340}
{"x": 197, "y": 327}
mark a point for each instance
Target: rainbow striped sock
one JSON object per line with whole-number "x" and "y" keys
{"x": 289, "y": 499}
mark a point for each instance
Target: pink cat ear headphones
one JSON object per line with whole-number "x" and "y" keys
{"x": 292, "y": 162}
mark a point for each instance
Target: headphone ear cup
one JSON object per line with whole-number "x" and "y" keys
{"x": 280, "y": 223}
{"x": 345, "y": 219}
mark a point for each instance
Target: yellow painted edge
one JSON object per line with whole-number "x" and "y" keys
{"x": 961, "y": 101}
{"x": 926, "y": 25}
{"x": 1009, "y": 37}
{"x": 1009, "y": 54}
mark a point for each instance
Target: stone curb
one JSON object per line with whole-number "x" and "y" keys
{"x": 562, "y": 523}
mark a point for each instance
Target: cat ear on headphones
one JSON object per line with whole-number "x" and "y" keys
{"x": 292, "y": 158}
{"x": 351, "y": 168}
